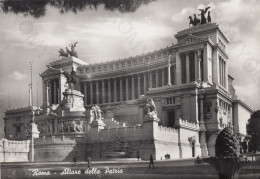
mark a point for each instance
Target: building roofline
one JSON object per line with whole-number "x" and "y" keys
{"x": 129, "y": 58}
{"x": 243, "y": 104}
{"x": 21, "y": 109}
{"x": 199, "y": 28}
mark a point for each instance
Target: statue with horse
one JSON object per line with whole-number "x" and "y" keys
{"x": 71, "y": 52}
{"x": 71, "y": 77}
{"x": 195, "y": 21}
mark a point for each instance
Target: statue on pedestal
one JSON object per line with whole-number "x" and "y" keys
{"x": 71, "y": 78}
{"x": 202, "y": 14}
{"x": 71, "y": 52}
{"x": 150, "y": 109}
{"x": 95, "y": 113}
{"x": 194, "y": 22}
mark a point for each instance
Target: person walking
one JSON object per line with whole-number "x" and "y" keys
{"x": 151, "y": 161}
{"x": 89, "y": 162}
{"x": 138, "y": 156}
{"x": 75, "y": 160}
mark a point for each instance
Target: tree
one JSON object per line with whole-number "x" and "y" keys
{"x": 227, "y": 163}
{"x": 37, "y": 8}
{"x": 253, "y": 129}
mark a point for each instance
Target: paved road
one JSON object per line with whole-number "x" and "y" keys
{"x": 124, "y": 169}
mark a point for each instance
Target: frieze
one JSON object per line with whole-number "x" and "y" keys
{"x": 51, "y": 71}
{"x": 191, "y": 39}
{"x": 128, "y": 71}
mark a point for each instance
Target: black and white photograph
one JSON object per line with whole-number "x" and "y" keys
{"x": 104, "y": 89}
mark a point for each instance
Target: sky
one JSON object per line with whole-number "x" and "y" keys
{"x": 104, "y": 35}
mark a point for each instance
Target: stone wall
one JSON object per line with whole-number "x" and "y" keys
{"x": 188, "y": 133}
{"x": 14, "y": 151}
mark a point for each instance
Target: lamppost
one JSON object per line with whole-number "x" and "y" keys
{"x": 33, "y": 133}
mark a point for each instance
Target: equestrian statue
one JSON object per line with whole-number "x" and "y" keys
{"x": 195, "y": 21}
{"x": 71, "y": 52}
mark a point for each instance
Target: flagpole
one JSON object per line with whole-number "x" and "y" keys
{"x": 31, "y": 89}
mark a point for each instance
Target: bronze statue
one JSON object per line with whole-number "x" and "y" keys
{"x": 202, "y": 14}
{"x": 71, "y": 78}
{"x": 194, "y": 21}
{"x": 63, "y": 53}
{"x": 209, "y": 18}
{"x": 71, "y": 52}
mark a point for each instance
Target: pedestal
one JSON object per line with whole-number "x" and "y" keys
{"x": 96, "y": 127}
{"x": 73, "y": 100}
{"x": 34, "y": 134}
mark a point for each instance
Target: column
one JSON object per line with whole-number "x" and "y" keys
{"x": 156, "y": 79}
{"x": 109, "y": 91}
{"x": 115, "y": 95}
{"x": 55, "y": 126}
{"x": 223, "y": 73}
{"x": 187, "y": 68}
{"x": 201, "y": 112}
{"x": 97, "y": 92}
{"x": 126, "y": 88}
{"x": 196, "y": 65}
{"x": 47, "y": 97}
{"x": 144, "y": 83}
{"x": 150, "y": 80}
{"x": 121, "y": 89}
{"x": 199, "y": 62}
{"x": 205, "y": 64}
{"x": 85, "y": 92}
{"x": 139, "y": 88}
{"x": 54, "y": 92}
{"x": 220, "y": 71}
{"x": 50, "y": 93}
{"x": 103, "y": 91}
{"x": 203, "y": 144}
{"x": 91, "y": 92}
{"x": 163, "y": 77}
{"x": 178, "y": 68}
{"x": 133, "y": 87}
{"x": 226, "y": 73}
{"x": 59, "y": 95}
{"x": 169, "y": 74}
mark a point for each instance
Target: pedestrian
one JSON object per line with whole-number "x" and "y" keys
{"x": 75, "y": 160}
{"x": 151, "y": 161}
{"x": 89, "y": 162}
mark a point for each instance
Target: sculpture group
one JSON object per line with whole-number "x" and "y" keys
{"x": 95, "y": 113}
{"x": 71, "y": 77}
{"x": 150, "y": 109}
{"x": 71, "y": 52}
{"x": 195, "y": 21}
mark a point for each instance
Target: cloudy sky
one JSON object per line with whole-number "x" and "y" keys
{"x": 104, "y": 35}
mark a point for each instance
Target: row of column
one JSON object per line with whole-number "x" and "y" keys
{"x": 139, "y": 84}
{"x": 189, "y": 63}
{"x": 222, "y": 72}
{"x": 52, "y": 91}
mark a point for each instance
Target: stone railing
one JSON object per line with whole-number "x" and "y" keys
{"x": 162, "y": 54}
{"x": 125, "y": 133}
{"x": 14, "y": 151}
{"x": 187, "y": 124}
{"x": 166, "y": 129}
{"x": 166, "y": 134}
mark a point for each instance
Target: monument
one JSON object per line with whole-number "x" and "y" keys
{"x": 173, "y": 101}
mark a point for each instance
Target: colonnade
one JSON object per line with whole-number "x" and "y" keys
{"x": 125, "y": 88}
{"x": 52, "y": 94}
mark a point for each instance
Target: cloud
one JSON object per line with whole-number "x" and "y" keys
{"x": 17, "y": 75}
